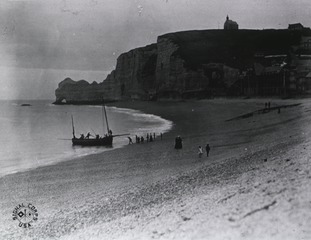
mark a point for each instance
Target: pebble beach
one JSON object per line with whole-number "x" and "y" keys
{"x": 255, "y": 184}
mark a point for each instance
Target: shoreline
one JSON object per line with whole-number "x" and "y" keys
{"x": 66, "y": 159}
{"x": 76, "y": 152}
{"x": 86, "y": 191}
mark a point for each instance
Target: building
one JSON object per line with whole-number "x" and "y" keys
{"x": 230, "y": 25}
{"x": 305, "y": 43}
{"x": 295, "y": 26}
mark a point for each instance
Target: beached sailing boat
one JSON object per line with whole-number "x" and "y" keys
{"x": 105, "y": 140}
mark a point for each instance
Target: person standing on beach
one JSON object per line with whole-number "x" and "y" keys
{"x": 147, "y": 137}
{"x": 161, "y": 136}
{"x": 207, "y": 149}
{"x": 88, "y": 135}
{"x": 130, "y": 140}
{"x": 200, "y": 152}
{"x": 178, "y": 142}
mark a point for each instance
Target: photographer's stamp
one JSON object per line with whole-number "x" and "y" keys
{"x": 25, "y": 214}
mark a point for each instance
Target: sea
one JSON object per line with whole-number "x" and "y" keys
{"x": 40, "y": 134}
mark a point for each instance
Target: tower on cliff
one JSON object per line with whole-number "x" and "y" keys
{"x": 230, "y": 25}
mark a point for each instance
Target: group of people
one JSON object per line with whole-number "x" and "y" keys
{"x": 178, "y": 142}
{"x": 88, "y": 135}
{"x": 267, "y": 105}
{"x": 178, "y": 145}
{"x": 149, "y": 138}
{"x": 207, "y": 149}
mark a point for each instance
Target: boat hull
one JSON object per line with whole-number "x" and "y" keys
{"x": 106, "y": 141}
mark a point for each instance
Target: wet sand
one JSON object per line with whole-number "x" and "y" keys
{"x": 254, "y": 185}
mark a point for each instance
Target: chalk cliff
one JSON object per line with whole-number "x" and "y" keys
{"x": 73, "y": 92}
{"x": 133, "y": 77}
{"x": 192, "y": 64}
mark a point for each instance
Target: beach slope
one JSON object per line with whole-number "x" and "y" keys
{"x": 254, "y": 185}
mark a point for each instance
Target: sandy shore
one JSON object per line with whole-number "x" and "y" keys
{"x": 254, "y": 185}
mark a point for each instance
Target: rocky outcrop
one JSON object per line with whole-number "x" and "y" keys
{"x": 188, "y": 64}
{"x": 72, "y": 92}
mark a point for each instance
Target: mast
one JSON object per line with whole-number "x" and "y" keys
{"x": 106, "y": 119}
{"x": 73, "y": 127}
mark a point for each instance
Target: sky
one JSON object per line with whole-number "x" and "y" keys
{"x": 44, "y": 41}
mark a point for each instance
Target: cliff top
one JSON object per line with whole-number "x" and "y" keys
{"x": 235, "y": 48}
{"x": 146, "y": 48}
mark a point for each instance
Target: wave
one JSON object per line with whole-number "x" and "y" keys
{"x": 144, "y": 117}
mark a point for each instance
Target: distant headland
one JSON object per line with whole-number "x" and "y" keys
{"x": 205, "y": 64}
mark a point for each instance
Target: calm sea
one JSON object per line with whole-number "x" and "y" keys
{"x": 35, "y": 135}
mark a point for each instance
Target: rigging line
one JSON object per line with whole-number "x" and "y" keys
{"x": 106, "y": 119}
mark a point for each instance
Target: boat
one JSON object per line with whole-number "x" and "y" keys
{"x": 105, "y": 140}
{"x": 101, "y": 141}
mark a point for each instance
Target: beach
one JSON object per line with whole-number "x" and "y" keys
{"x": 254, "y": 185}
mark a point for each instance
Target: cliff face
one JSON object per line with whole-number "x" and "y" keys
{"x": 132, "y": 79}
{"x": 134, "y": 74}
{"x": 185, "y": 68}
{"x": 189, "y": 64}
